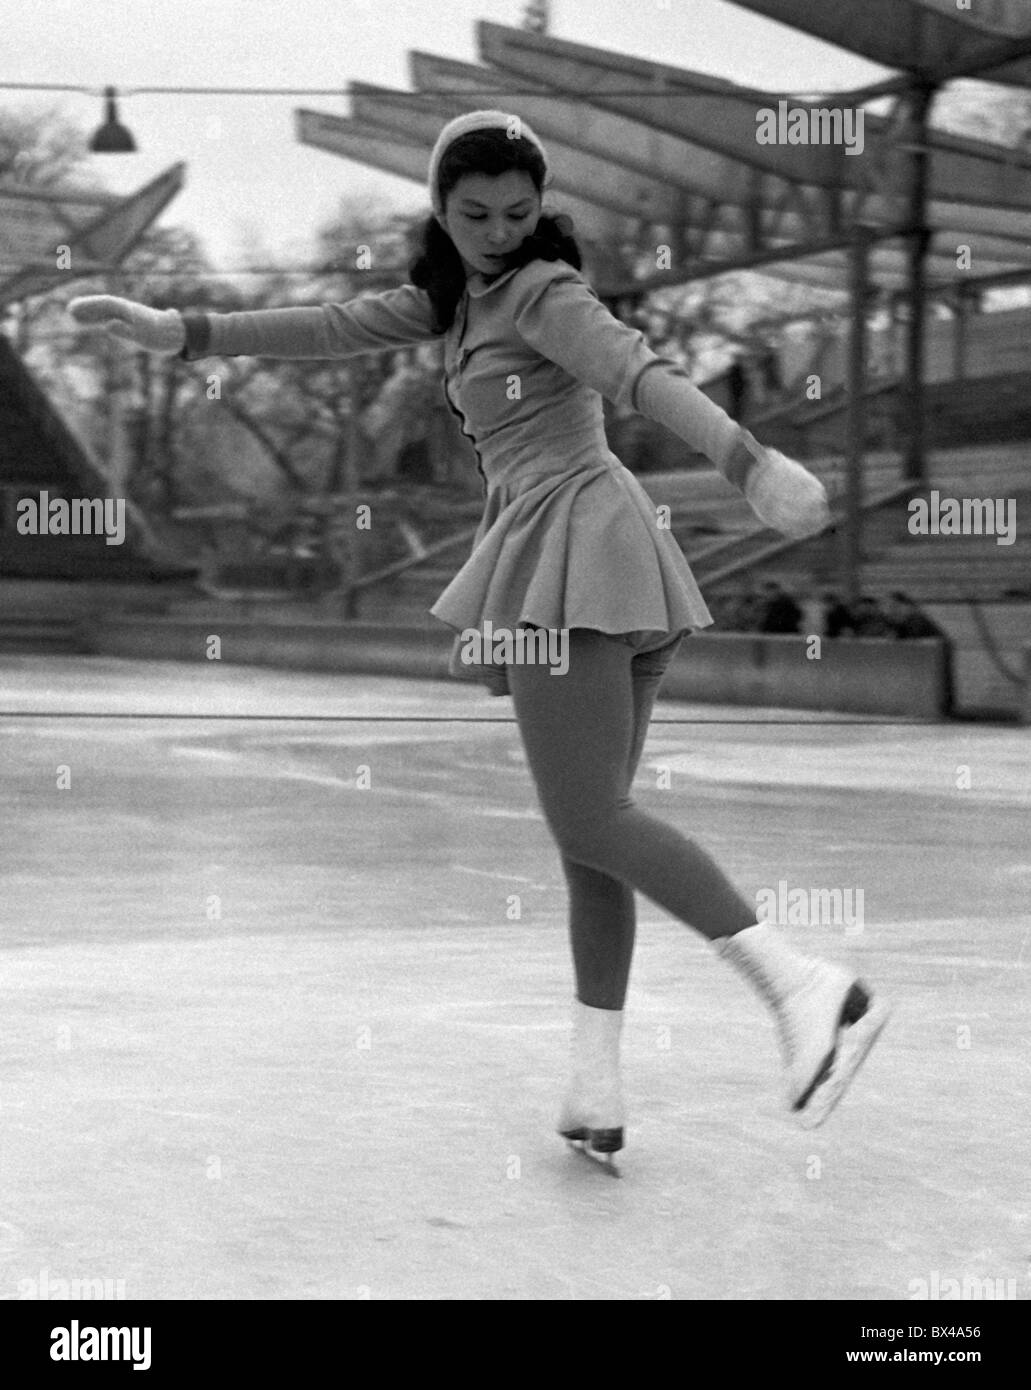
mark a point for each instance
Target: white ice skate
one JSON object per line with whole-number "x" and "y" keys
{"x": 827, "y": 1020}
{"x": 592, "y": 1118}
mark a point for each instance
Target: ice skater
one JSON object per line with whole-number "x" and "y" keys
{"x": 569, "y": 544}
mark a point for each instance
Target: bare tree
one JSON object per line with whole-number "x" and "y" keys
{"x": 42, "y": 149}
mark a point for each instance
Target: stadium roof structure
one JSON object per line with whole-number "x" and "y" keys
{"x": 661, "y": 155}
{"x": 637, "y": 141}
{"x": 98, "y": 229}
{"x": 937, "y": 39}
{"x": 716, "y": 202}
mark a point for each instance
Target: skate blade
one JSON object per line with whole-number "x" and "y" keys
{"x": 853, "y": 1044}
{"x": 605, "y": 1161}
{"x": 605, "y": 1141}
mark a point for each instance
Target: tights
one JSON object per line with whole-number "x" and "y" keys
{"x": 583, "y": 732}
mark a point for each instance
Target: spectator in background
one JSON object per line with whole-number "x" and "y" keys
{"x": 869, "y": 619}
{"x": 909, "y": 620}
{"x": 780, "y": 611}
{"x": 837, "y": 617}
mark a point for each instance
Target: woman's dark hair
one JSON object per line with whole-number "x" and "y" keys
{"x": 436, "y": 266}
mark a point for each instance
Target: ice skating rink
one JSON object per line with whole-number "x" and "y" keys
{"x": 270, "y": 1032}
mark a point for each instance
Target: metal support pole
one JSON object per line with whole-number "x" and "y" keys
{"x": 919, "y": 239}
{"x": 348, "y": 551}
{"x": 959, "y": 333}
{"x": 855, "y": 422}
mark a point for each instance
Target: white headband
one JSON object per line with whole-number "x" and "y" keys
{"x": 462, "y": 125}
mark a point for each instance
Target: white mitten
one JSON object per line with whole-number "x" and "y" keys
{"x": 156, "y": 330}
{"x": 786, "y": 496}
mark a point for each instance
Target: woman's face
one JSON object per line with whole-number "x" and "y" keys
{"x": 487, "y": 217}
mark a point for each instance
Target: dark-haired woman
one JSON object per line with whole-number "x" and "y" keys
{"x": 569, "y": 546}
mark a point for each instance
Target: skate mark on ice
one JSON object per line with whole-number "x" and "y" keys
{"x": 504, "y": 878}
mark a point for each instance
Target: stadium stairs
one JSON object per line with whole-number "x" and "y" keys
{"x": 977, "y": 591}
{"x": 990, "y": 409}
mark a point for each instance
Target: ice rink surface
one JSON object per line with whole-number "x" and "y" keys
{"x": 286, "y": 995}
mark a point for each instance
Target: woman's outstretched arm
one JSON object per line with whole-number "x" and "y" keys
{"x": 368, "y": 323}
{"x": 558, "y": 314}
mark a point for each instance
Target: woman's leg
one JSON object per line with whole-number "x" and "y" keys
{"x": 579, "y": 733}
{"x": 602, "y": 927}
{"x": 602, "y": 917}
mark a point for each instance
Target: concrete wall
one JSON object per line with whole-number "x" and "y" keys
{"x": 865, "y": 675}
{"x": 869, "y": 675}
{"x": 307, "y": 645}
{"x": 987, "y": 641}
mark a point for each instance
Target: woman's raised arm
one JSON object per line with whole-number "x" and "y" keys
{"x": 368, "y": 323}
{"x": 558, "y": 314}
